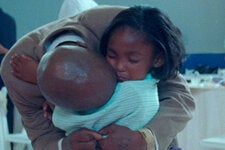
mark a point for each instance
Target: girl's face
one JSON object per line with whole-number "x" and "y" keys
{"x": 129, "y": 54}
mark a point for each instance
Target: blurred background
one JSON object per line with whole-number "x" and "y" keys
{"x": 202, "y": 22}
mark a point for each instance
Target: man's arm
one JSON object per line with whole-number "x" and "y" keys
{"x": 28, "y": 99}
{"x": 176, "y": 109}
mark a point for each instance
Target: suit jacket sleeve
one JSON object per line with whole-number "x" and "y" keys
{"x": 176, "y": 109}
{"x": 27, "y": 97}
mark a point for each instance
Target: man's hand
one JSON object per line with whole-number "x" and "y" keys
{"x": 83, "y": 139}
{"x": 121, "y": 138}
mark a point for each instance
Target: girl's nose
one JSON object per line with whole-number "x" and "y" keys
{"x": 120, "y": 66}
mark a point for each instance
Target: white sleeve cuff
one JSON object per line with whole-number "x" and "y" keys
{"x": 60, "y": 144}
{"x": 62, "y": 38}
{"x": 156, "y": 143}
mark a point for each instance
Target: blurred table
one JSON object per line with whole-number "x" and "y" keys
{"x": 208, "y": 121}
{"x": 214, "y": 142}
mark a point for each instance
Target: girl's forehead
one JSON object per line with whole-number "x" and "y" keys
{"x": 128, "y": 33}
{"x": 126, "y": 28}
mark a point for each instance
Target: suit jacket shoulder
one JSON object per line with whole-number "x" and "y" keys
{"x": 27, "y": 97}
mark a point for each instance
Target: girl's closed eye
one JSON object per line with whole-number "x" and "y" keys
{"x": 110, "y": 54}
{"x": 134, "y": 57}
{"x": 134, "y": 60}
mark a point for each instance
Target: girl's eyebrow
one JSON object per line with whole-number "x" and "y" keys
{"x": 134, "y": 52}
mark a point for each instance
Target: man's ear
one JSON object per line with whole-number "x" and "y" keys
{"x": 158, "y": 61}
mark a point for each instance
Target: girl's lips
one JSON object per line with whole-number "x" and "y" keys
{"x": 121, "y": 78}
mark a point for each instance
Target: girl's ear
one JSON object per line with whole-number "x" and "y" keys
{"x": 158, "y": 61}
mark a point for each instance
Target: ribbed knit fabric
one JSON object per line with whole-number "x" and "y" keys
{"x": 133, "y": 104}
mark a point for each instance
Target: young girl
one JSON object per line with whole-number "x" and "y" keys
{"x": 143, "y": 40}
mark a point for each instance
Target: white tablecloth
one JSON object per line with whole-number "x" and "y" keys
{"x": 208, "y": 121}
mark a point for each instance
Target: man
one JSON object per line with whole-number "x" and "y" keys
{"x": 176, "y": 104}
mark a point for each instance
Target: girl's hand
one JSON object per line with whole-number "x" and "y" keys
{"x": 48, "y": 109}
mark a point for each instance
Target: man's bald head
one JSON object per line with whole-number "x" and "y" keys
{"x": 75, "y": 78}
